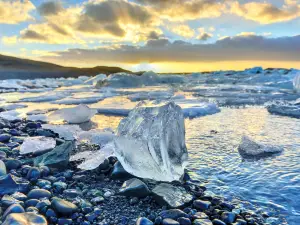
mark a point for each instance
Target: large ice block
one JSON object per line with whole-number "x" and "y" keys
{"x": 150, "y": 142}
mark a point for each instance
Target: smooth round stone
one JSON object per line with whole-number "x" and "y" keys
{"x": 27, "y": 218}
{"x": 19, "y": 196}
{"x": 14, "y": 132}
{"x": 45, "y": 171}
{"x": 218, "y": 222}
{"x": 64, "y": 221}
{"x": 50, "y": 213}
{"x": 72, "y": 193}
{"x": 13, "y": 164}
{"x": 43, "y": 203}
{"x": 39, "y": 193}
{"x": 184, "y": 221}
{"x": 173, "y": 214}
{"x": 63, "y": 207}
{"x": 25, "y": 169}
{"x": 228, "y": 217}
{"x": 59, "y": 186}
{"x": 5, "y": 149}
{"x": 13, "y": 145}
{"x": 33, "y": 174}
{"x": 31, "y": 202}
{"x": 2, "y": 168}
{"x": 143, "y": 221}
{"x": 201, "y": 205}
{"x": 7, "y": 201}
{"x": 15, "y": 208}
{"x": 33, "y": 125}
{"x": 32, "y": 209}
{"x": 4, "y": 137}
{"x": 170, "y": 222}
{"x": 43, "y": 183}
{"x": 2, "y": 155}
{"x": 134, "y": 188}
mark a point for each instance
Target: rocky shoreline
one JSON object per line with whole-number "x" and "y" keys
{"x": 56, "y": 192}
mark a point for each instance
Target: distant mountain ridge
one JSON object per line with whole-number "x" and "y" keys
{"x": 19, "y": 68}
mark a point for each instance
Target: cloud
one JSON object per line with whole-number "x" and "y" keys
{"x": 237, "y": 48}
{"x": 113, "y": 17}
{"x": 182, "y": 30}
{"x": 265, "y": 13}
{"x": 32, "y": 35}
{"x": 50, "y": 8}
{"x": 204, "y": 36}
{"x": 182, "y": 10}
{"x": 9, "y": 40}
{"x": 15, "y": 11}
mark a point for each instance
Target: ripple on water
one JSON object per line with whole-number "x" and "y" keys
{"x": 273, "y": 183}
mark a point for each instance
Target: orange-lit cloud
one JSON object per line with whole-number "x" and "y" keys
{"x": 266, "y": 13}
{"x": 15, "y": 11}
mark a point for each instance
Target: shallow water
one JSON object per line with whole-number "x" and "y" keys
{"x": 270, "y": 184}
{"x": 267, "y": 185}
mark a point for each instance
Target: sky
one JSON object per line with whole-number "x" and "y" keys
{"x": 158, "y": 35}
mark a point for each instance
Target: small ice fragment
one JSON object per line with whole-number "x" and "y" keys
{"x": 37, "y": 144}
{"x": 76, "y": 115}
{"x": 67, "y": 132}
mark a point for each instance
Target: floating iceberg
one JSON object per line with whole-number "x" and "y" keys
{"x": 150, "y": 142}
{"x": 76, "y": 115}
{"x": 95, "y": 79}
{"x": 45, "y": 97}
{"x": 285, "y": 109}
{"x": 296, "y": 82}
{"x": 249, "y": 148}
{"x": 37, "y": 144}
{"x": 13, "y": 106}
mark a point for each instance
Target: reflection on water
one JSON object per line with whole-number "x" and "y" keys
{"x": 271, "y": 183}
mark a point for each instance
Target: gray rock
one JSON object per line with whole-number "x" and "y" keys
{"x": 143, "y": 221}
{"x": 201, "y": 205}
{"x": 134, "y": 188}
{"x": 10, "y": 184}
{"x": 57, "y": 158}
{"x": 27, "y": 218}
{"x": 39, "y": 193}
{"x": 7, "y": 201}
{"x": 2, "y": 168}
{"x": 12, "y": 164}
{"x": 184, "y": 221}
{"x": 202, "y": 222}
{"x": 119, "y": 173}
{"x": 172, "y": 196}
{"x": 173, "y": 214}
{"x": 63, "y": 207}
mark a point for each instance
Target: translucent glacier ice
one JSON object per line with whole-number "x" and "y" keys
{"x": 76, "y": 115}
{"x": 93, "y": 159}
{"x": 95, "y": 136}
{"x": 150, "y": 142}
{"x": 249, "y": 148}
{"x": 285, "y": 108}
{"x": 67, "y": 132}
{"x": 95, "y": 79}
{"x": 37, "y": 144}
{"x": 12, "y": 115}
{"x": 296, "y": 82}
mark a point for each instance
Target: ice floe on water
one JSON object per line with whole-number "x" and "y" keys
{"x": 8, "y": 107}
{"x": 95, "y": 136}
{"x": 284, "y": 108}
{"x": 75, "y": 115}
{"x": 12, "y": 115}
{"x": 250, "y": 148}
